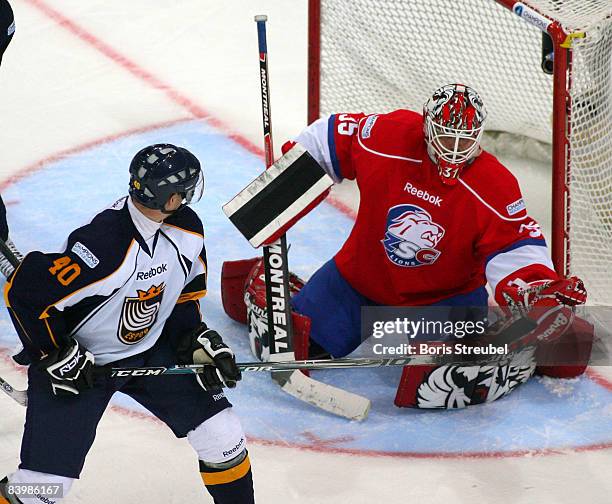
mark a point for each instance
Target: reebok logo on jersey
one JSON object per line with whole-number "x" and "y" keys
{"x": 11, "y": 29}
{"x": 368, "y": 126}
{"x": 516, "y": 207}
{"x": 153, "y": 272}
{"x": 424, "y": 195}
{"x": 85, "y": 254}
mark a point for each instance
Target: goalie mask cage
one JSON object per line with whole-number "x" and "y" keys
{"x": 379, "y": 55}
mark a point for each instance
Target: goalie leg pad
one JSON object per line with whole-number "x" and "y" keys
{"x": 452, "y": 387}
{"x": 234, "y": 275}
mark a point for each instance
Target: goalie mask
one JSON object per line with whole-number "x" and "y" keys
{"x": 161, "y": 170}
{"x": 454, "y": 120}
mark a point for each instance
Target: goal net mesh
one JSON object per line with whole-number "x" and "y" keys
{"x": 380, "y": 55}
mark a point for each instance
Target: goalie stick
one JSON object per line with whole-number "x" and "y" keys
{"x": 280, "y": 330}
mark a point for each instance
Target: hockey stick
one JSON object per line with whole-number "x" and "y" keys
{"x": 8, "y": 253}
{"x": 20, "y": 396}
{"x": 344, "y": 363}
{"x": 280, "y": 330}
{"x": 512, "y": 332}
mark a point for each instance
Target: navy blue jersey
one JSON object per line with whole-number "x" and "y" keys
{"x": 114, "y": 285}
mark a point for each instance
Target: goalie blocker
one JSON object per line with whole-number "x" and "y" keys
{"x": 266, "y": 208}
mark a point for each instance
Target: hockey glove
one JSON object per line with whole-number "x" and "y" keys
{"x": 551, "y": 303}
{"x": 205, "y": 346}
{"x": 70, "y": 369}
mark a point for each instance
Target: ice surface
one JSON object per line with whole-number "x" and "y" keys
{"x": 71, "y": 105}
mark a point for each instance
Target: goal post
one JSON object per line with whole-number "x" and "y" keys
{"x": 377, "y": 56}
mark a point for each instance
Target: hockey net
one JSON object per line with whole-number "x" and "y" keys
{"x": 379, "y": 55}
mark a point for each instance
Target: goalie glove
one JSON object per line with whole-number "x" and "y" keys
{"x": 70, "y": 369}
{"x": 551, "y": 303}
{"x": 205, "y": 346}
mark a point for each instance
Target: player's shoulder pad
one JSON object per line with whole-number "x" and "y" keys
{"x": 187, "y": 220}
{"x": 103, "y": 244}
{"x": 495, "y": 187}
{"x": 97, "y": 248}
{"x": 397, "y": 134}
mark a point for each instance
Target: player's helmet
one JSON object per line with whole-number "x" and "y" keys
{"x": 158, "y": 171}
{"x": 454, "y": 120}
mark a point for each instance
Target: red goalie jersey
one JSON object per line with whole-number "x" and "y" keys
{"x": 416, "y": 240}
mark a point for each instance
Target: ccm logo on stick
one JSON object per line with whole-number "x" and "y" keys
{"x": 139, "y": 372}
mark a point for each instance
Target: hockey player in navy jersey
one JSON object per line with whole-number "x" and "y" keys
{"x": 125, "y": 290}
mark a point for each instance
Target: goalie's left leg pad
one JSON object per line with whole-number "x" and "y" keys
{"x": 458, "y": 386}
{"x": 233, "y": 283}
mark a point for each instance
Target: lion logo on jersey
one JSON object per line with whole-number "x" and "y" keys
{"x": 139, "y": 314}
{"x": 411, "y": 236}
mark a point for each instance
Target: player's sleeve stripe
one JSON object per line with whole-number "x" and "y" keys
{"x": 191, "y": 296}
{"x": 539, "y": 242}
{"x": 51, "y": 335}
{"x": 332, "y": 146}
{"x": 520, "y": 255}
